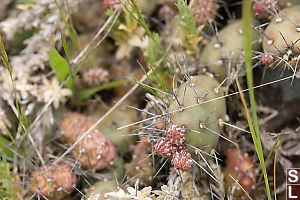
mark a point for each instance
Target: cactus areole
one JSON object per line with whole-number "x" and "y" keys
{"x": 201, "y": 119}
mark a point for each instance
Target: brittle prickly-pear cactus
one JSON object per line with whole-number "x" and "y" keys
{"x": 200, "y": 121}
{"x": 120, "y": 117}
{"x": 282, "y": 35}
{"x": 73, "y": 125}
{"x": 140, "y": 167}
{"x": 240, "y": 167}
{"x": 102, "y": 187}
{"x": 224, "y": 52}
{"x": 289, "y": 3}
{"x": 95, "y": 151}
{"x": 55, "y": 182}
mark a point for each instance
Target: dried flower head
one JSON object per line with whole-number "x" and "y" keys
{"x": 51, "y": 88}
{"x": 144, "y": 194}
{"x": 167, "y": 192}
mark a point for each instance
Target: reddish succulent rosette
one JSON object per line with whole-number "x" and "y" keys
{"x": 263, "y": 8}
{"x": 172, "y": 145}
{"x": 176, "y": 135}
{"x": 267, "y": 59}
{"x": 182, "y": 159}
{"x": 114, "y": 4}
{"x": 163, "y": 147}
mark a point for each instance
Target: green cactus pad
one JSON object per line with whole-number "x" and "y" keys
{"x": 227, "y": 52}
{"x": 288, "y": 24}
{"x": 202, "y": 89}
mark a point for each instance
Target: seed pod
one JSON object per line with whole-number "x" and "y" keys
{"x": 95, "y": 151}
{"x": 54, "y": 183}
{"x": 241, "y": 168}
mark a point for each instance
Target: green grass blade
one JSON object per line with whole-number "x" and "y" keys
{"x": 69, "y": 27}
{"x": 247, "y": 21}
{"x": 84, "y": 94}
{"x": 65, "y": 46}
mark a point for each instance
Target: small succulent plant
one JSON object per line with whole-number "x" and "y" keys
{"x": 205, "y": 10}
{"x": 264, "y": 8}
{"x": 73, "y": 125}
{"x": 53, "y": 182}
{"x": 240, "y": 167}
{"x": 101, "y": 188}
{"x": 95, "y": 151}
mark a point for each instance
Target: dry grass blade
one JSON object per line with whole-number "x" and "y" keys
{"x": 241, "y": 187}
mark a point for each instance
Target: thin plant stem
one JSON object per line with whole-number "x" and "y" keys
{"x": 247, "y": 21}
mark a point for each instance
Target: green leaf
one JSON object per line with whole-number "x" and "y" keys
{"x": 84, "y": 94}
{"x": 24, "y": 118}
{"x": 7, "y": 189}
{"x": 62, "y": 68}
{"x": 186, "y": 17}
{"x": 66, "y": 48}
{"x": 3, "y": 147}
